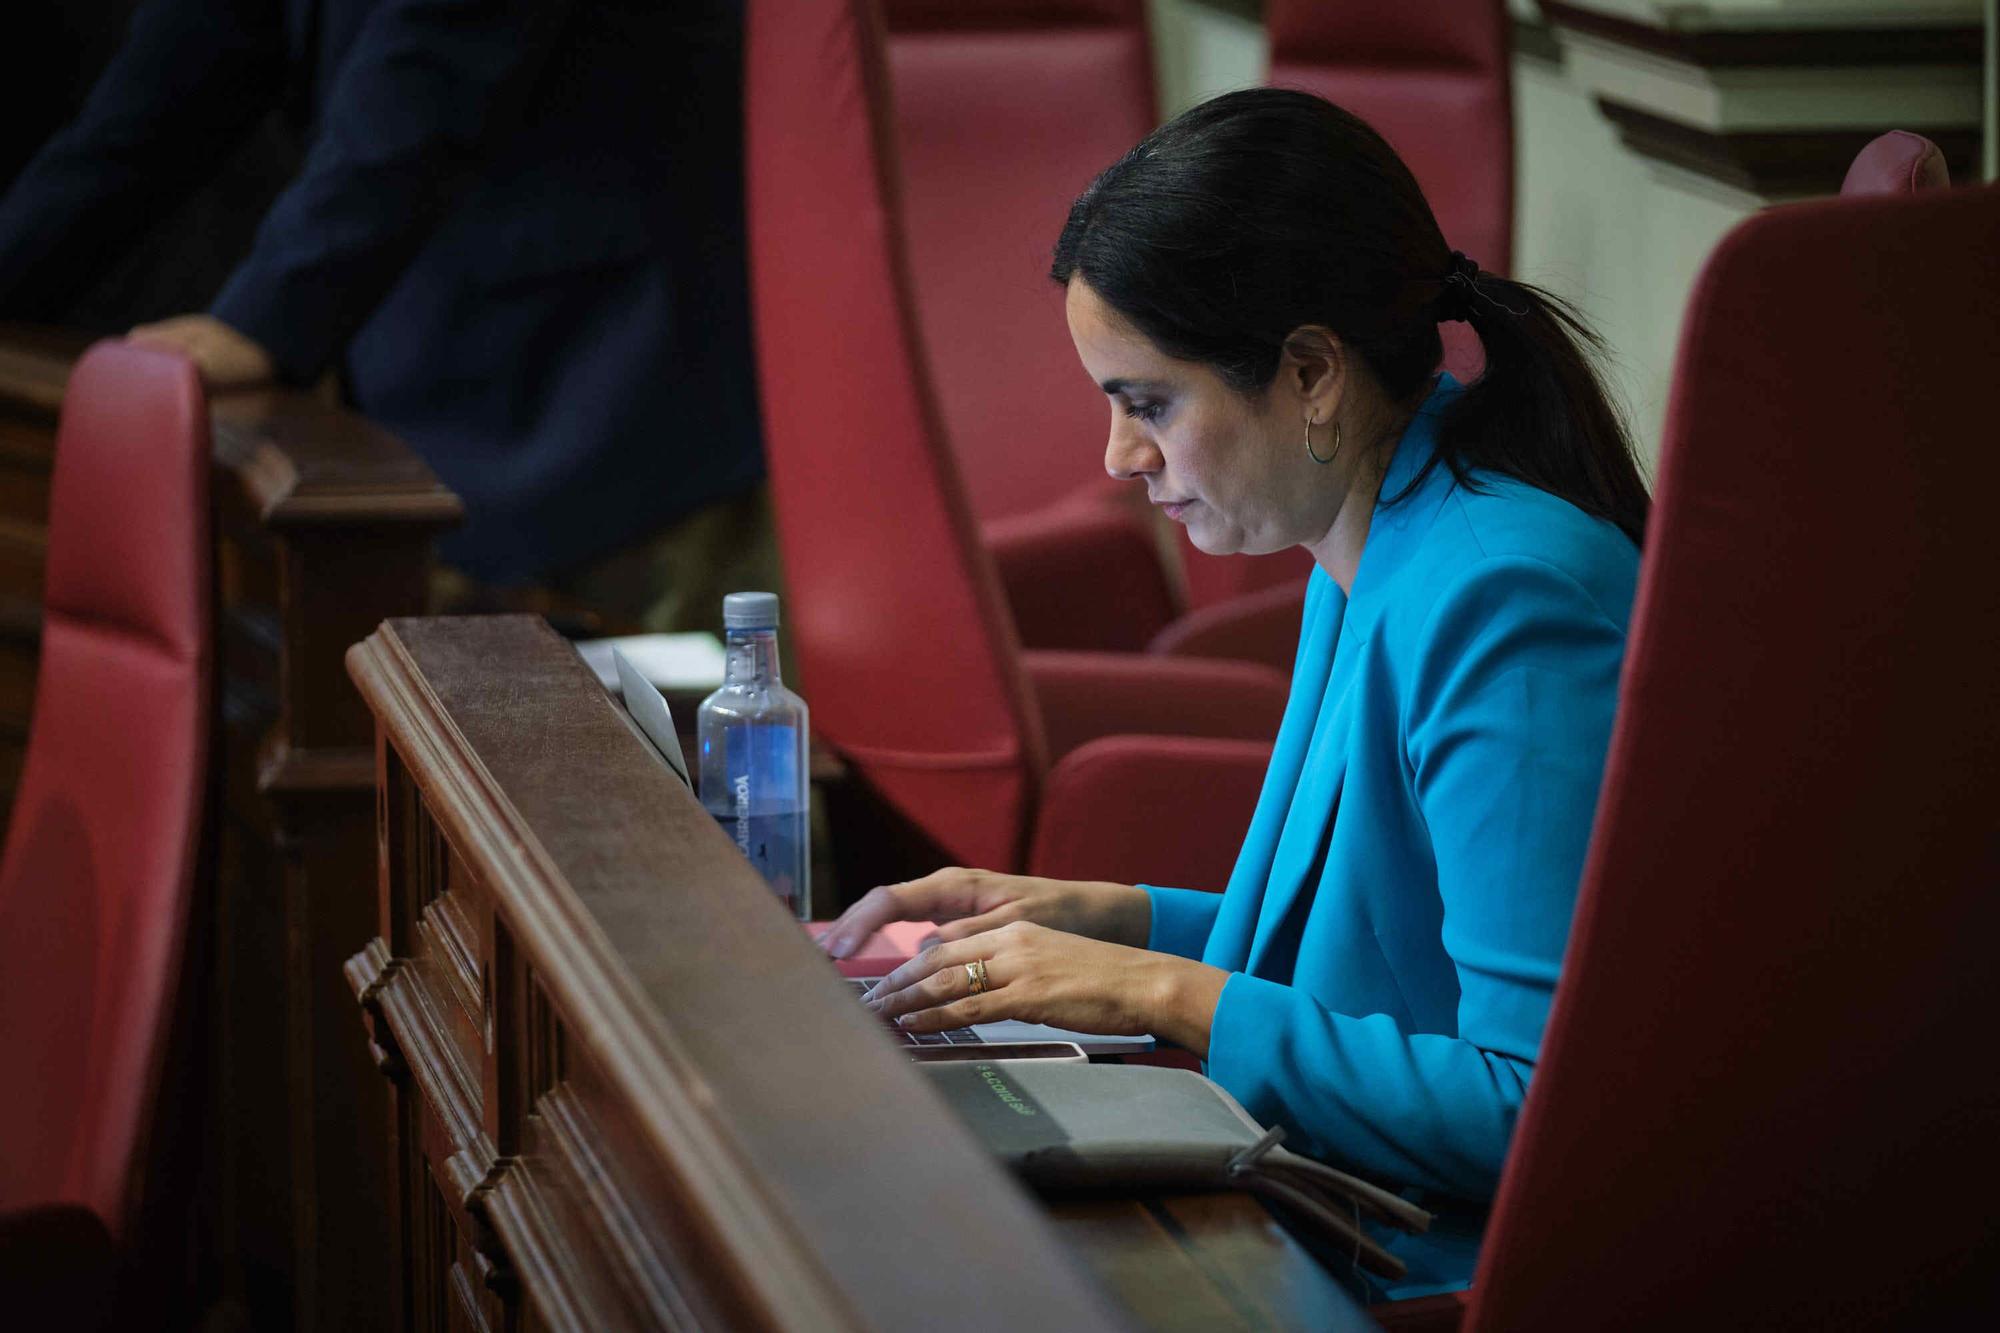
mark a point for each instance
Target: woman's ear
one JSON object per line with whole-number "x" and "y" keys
{"x": 1313, "y": 368}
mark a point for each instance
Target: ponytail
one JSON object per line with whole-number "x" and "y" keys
{"x": 1539, "y": 412}
{"x": 1260, "y": 212}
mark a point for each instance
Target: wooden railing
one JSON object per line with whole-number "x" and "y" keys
{"x": 630, "y": 1092}
{"x": 324, "y": 525}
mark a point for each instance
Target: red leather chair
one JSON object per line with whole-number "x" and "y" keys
{"x": 1766, "y": 1097}
{"x": 1435, "y": 80}
{"x": 97, "y": 880}
{"x": 1004, "y": 111}
{"x": 1897, "y": 163}
{"x": 906, "y": 646}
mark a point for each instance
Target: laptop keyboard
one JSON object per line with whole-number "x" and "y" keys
{"x": 951, "y": 1037}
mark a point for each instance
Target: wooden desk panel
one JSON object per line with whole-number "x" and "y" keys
{"x": 630, "y": 1093}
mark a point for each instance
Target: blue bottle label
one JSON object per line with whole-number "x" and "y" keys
{"x": 763, "y": 811}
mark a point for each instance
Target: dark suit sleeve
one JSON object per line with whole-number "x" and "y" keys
{"x": 426, "y": 85}
{"x": 192, "y": 78}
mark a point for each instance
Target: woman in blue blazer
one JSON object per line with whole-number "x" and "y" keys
{"x": 1257, "y": 287}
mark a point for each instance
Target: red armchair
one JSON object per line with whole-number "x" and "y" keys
{"x": 1766, "y": 1086}
{"x": 1004, "y": 111}
{"x": 97, "y": 879}
{"x": 906, "y": 646}
{"x": 1435, "y": 80}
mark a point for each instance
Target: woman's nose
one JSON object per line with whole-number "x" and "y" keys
{"x": 1129, "y": 452}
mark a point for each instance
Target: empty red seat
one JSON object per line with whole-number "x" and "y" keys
{"x": 906, "y": 646}
{"x": 98, "y": 876}
{"x": 1766, "y": 1097}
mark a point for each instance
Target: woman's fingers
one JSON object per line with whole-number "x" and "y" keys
{"x": 876, "y": 909}
{"x": 943, "y": 895}
{"x": 960, "y": 1013}
{"x": 947, "y": 986}
{"x": 930, "y": 961}
{"x": 966, "y": 927}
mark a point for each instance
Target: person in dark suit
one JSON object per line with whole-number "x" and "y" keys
{"x": 516, "y": 236}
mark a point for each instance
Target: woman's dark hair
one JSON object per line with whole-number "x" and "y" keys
{"x": 1257, "y": 213}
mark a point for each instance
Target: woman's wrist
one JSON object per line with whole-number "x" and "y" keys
{"x": 1185, "y": 996}
{"x": 1117, "y": 914}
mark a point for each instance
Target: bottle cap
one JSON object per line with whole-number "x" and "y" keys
{"x": 750, "y": 610}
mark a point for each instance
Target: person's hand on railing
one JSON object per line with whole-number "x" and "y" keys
{"x": 226, "y": 359}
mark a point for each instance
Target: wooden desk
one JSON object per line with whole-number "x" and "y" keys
{"x": 629, "y": 1093}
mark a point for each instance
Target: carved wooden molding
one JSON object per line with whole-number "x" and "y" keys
{"x": 1776, "y": 101}
{"x": 1878, "y": 39}
{"x": 1773, "y": 164}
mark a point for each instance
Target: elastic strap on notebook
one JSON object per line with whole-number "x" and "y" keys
{"x": 1248, "y": 1159}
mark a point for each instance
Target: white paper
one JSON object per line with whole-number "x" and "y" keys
{"x": 683, "y": 663}
{"x": 648, "y": 708}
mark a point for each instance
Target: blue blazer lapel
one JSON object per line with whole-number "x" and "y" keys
{"x": 1237, "y": 920}
{"x": 1301, "y": 852}
{"x": 1295, "y": 854}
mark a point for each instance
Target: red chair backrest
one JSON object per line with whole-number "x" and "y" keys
{"x": 97, "y": 878}
{"x": 1896, "y": 163}
{"x": 1767, "y": 1085}
{"x": 1004, "y": 111}
{"x": 881, "y": 554}
{"x": 1433, "y": 78}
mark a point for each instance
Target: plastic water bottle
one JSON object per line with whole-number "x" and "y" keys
{"x": 753, "y": 751}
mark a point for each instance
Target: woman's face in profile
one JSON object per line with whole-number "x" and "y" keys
{"x": 1231, "y": 468}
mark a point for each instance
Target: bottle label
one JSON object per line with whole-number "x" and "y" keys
{"x": 764, "y": 807}
{"x": 762, "y": 761}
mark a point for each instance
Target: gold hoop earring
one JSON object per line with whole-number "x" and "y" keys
{"x": 1310, "y": 423}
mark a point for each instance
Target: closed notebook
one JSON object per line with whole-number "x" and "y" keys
{"x": 1070, "y": 1126}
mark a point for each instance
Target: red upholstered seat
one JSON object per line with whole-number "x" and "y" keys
{"x": 1897, "y": 163}
{"x": 1767, "y": 1096}
{"x": 100, "y": 856}
{"x": 907, "y": 649}
{"x": 1434, "y": 79}
{"x": 1004, "y": 111}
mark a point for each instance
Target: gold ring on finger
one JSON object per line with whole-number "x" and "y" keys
{"x": 980, "y": 981}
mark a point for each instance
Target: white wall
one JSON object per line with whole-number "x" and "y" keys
{"x": 1621, "y": 238}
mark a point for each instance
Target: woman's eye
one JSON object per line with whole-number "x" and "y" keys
{"x": 1143, "y": 411}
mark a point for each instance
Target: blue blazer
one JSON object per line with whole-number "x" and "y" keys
{"x": 1397, "y": 916}
{"x": 518, "y": 229}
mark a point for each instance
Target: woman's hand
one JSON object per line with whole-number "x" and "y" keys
{"x": 967, "y": 902}
{"x": 1049, "y": 976}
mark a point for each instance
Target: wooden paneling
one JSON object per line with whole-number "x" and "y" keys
{"x": 646, "y": 1101}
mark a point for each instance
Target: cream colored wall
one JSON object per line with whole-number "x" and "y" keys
{"x": 1617, "y": 236}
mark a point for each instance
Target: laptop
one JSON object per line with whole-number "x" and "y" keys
{"x": 892, "y": 946}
